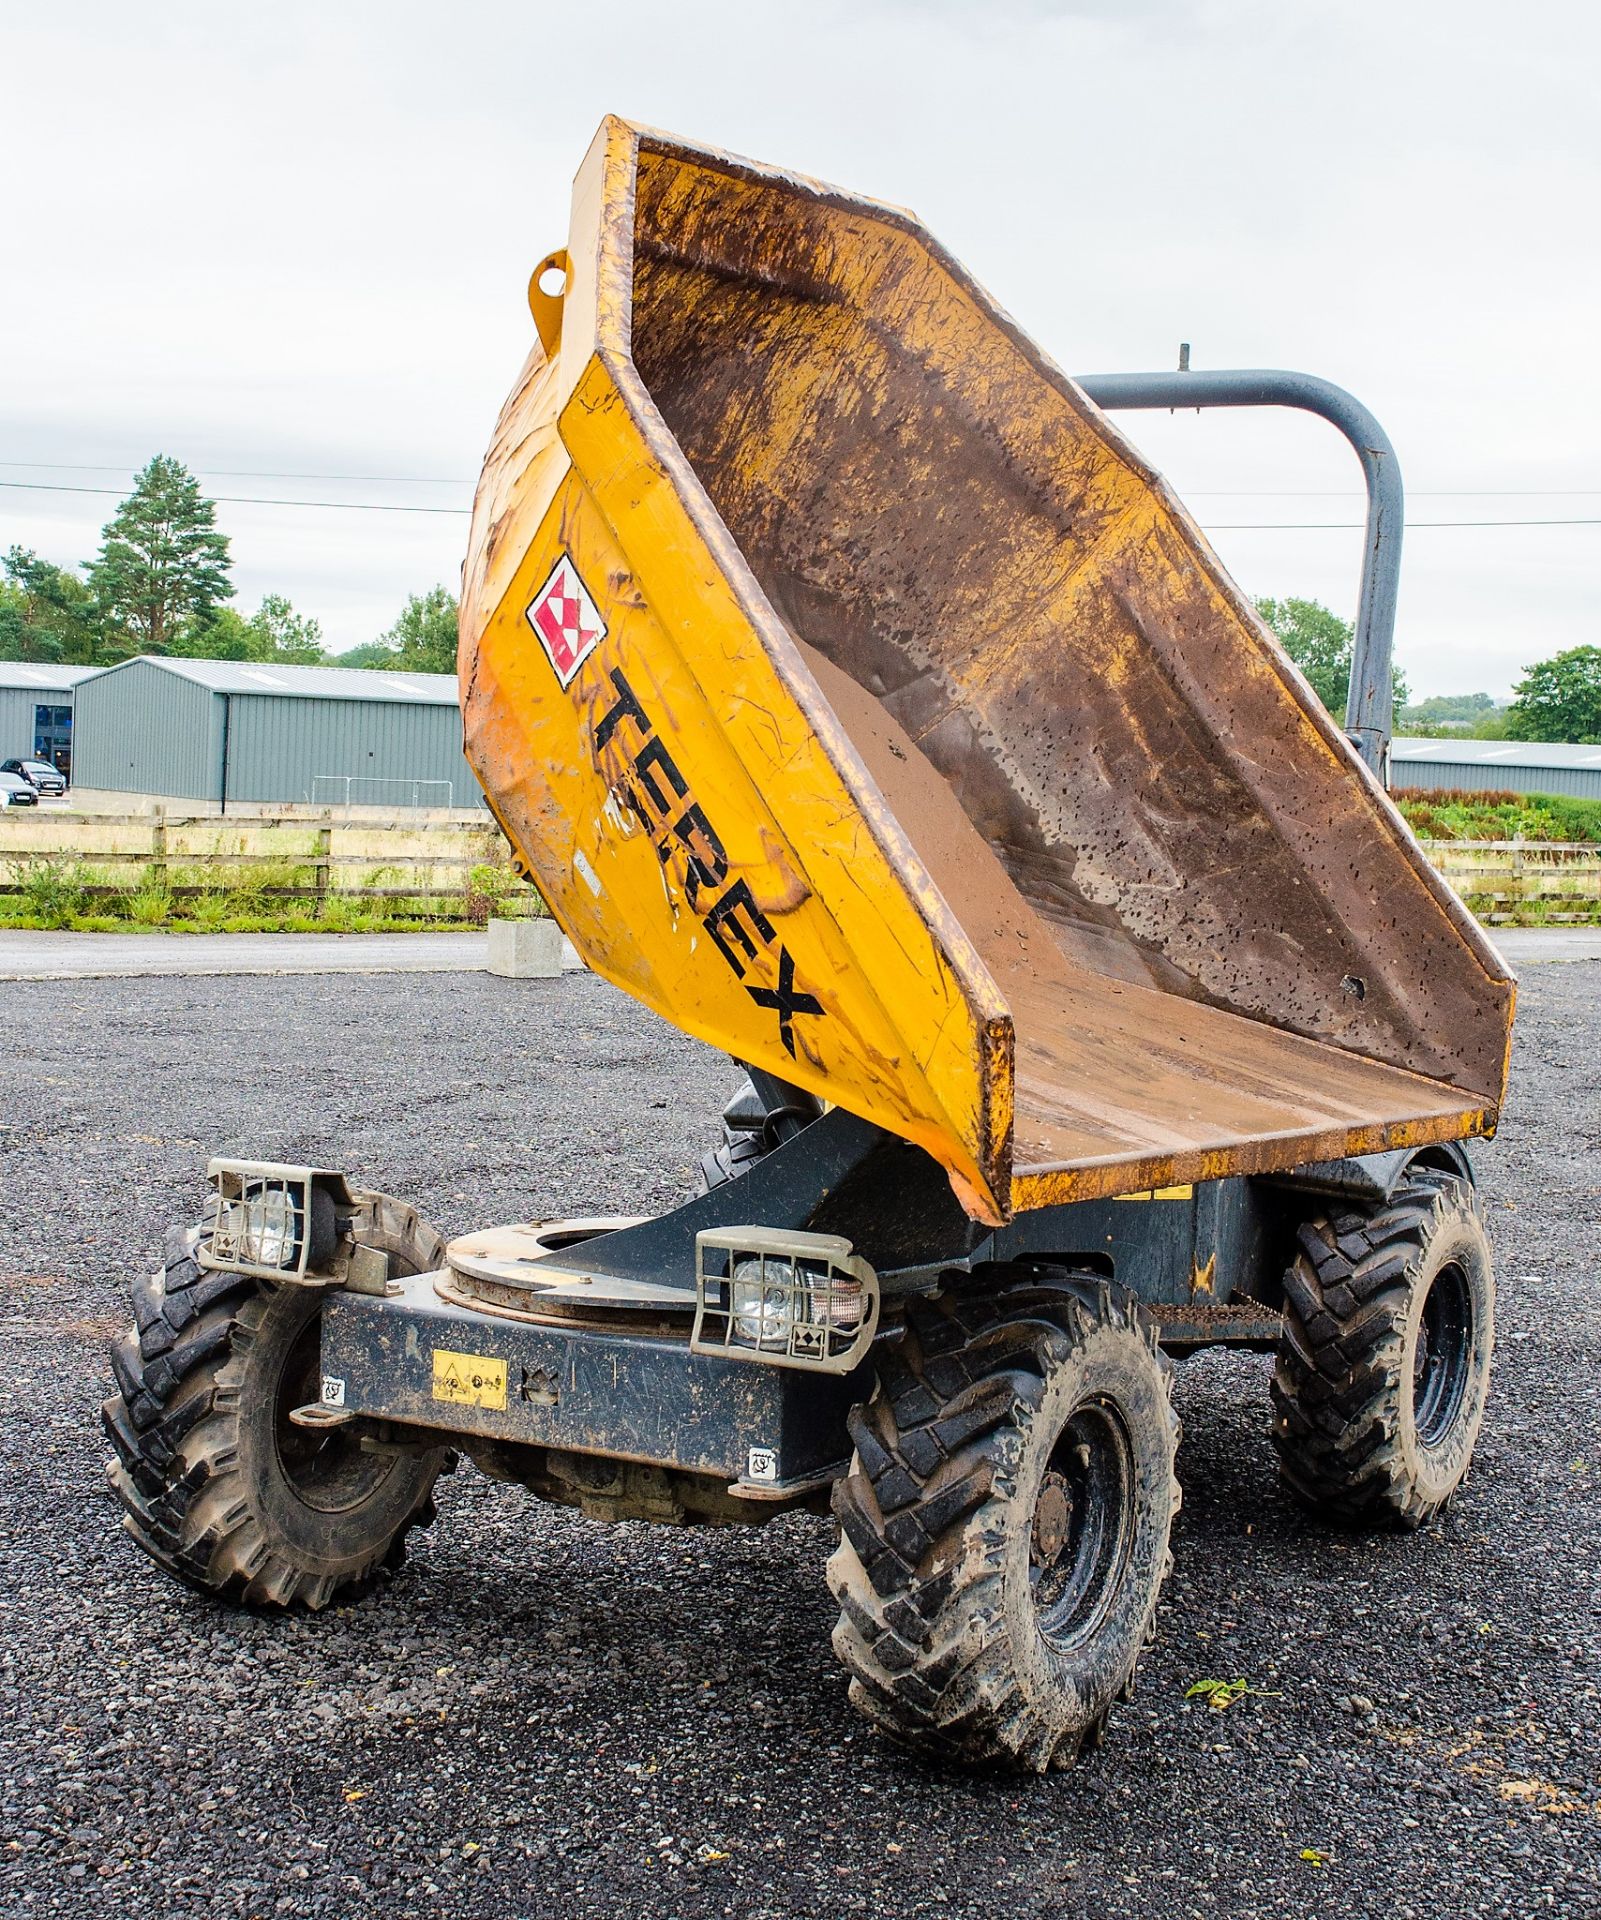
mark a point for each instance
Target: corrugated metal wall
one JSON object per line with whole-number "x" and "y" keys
{"x": 16, "y": 716}
{"x": 141, "y": 729}
{"x": 1479, "y": 776}
{"x": 395, "y": 753}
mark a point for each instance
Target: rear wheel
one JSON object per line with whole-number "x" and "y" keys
{"x": 1005, "y": 1520}
{"x": 218, "y": 1485}
{"x": 1384, "y": 1369}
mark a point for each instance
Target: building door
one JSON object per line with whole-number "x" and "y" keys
{"x": 52, "y": 738}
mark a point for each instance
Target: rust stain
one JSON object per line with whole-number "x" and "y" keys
{"x": 1090, "y": 896}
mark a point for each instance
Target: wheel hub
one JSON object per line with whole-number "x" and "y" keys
{"x": 1053, "y": 1518}
{"x": 325, "y": 1466}
{"x": 1083, "y": 1525}
{"x": 1442, "y": 1359}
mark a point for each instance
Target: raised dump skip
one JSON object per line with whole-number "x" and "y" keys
{"x": 893, "y": 727}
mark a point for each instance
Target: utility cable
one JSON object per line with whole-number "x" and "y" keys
{"x": 386, "y": 506}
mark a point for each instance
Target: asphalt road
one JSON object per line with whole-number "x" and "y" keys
{"x": 27, "y": 954}
{"x": 32, "y": 954}
{"x": 542, "y": 1716}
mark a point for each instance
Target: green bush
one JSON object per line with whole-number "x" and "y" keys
{"x": 1543, "y": 910}
{"x": 149, "y": 904}
{"x": 487, "y": 888}
{"x": 51, "y": 891}
{"x": 209, "y": 912}
{"x": 1574, "y": 819}
{"x": 1454, "y": 813}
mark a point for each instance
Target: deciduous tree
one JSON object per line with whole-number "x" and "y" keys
{"x": 1320, "y": 643}
{"x": 1448, "y": 709}
{"x": 46, "y": 613}
{"x": 1559, "y": 699}
{"x": 273, "y": 632}
{"x": 282, "y": 634}
{"x": 423, "y": 639}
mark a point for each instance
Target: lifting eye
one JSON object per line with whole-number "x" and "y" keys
{"x": 547, "y": 289}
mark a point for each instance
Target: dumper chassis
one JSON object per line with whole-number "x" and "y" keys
{"x": 860, "y": 702}
{"x": 1000, "y": 1459}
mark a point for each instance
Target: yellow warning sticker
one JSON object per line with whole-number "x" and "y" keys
{"x": 469, "y": 1380}
{"x": 1159, "y": 1193}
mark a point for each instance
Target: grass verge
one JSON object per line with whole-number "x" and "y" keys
{"x": 52, "y": 895}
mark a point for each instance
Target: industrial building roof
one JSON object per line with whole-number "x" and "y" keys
{"x": 42, "y": 673}
{"x": 1494, "y": 753}
{"x": 313, "y": 683}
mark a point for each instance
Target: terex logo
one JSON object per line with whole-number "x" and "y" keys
{"x": 658, "y": 796}
{"x": 566, "y": 619}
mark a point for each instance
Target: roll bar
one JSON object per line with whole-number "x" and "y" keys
{"x": 1368, "y": 713}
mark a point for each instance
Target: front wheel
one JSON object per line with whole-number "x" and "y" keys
{"x": 218, "y": 1485}
{"x": 1005, "y": 1520}
{"x": 1384, "y": 1368}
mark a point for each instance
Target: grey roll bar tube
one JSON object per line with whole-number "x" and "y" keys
{"x": 1368, "y": 715}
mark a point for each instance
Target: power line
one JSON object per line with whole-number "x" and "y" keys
{"x": 1412, "y": 493}
{"x": 1191, "y": 493}
{"x": 385, "y": 506}
{"x": 1356, "y": 526}
{"x": 243, "y": 499}
{"x": 241, "y": 473}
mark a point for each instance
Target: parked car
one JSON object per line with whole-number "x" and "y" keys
{"x": 15, "y": 791}
{"x": 39, "y": 774}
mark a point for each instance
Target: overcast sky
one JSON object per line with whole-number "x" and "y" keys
{"x": 290, "y": 242}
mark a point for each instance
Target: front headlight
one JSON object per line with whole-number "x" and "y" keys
{"x": 260, "y": 1226}
{"x": 266, "y": 1228}
{"x": 789, "y": 1299}
{"x": 280, "y": 1222}
{"x": 760, "y": 1306}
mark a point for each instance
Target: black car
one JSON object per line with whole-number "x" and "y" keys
{"x": 15, "y": 791}
{"x": 39, "y": 774}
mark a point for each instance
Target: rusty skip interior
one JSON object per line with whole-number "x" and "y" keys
{"x": 1211, "y": 931}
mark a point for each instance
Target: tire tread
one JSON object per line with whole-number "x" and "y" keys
{"x": 917, "y": 1573}
{"x": 173, "y": 1425}
{"x": 1337, "y": 1380}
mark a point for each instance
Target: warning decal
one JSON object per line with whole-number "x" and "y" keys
{"x": 566, "y": 619}
{"x": 469, "y": 1380}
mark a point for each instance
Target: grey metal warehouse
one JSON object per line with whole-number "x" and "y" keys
{"x": 36, "y": 709}
{"x": 219, "y": 732}
{"x": 1512, "y": 766}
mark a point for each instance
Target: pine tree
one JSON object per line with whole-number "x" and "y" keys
{"x": 162, "y": 566}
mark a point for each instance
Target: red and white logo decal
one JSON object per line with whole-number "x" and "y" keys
{"x": 566, "y": 619}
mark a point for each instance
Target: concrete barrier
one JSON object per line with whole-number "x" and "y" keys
{"x": 525, "y": 949}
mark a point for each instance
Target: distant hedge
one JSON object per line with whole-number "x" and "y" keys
{"x": 1461, "y": 813}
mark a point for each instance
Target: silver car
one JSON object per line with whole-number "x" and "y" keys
{"x": 39, "y": 774}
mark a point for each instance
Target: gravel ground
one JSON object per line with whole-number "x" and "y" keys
{"x": 545, "y": 1716}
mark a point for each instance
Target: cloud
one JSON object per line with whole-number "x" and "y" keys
{"x": 297, "y": 238}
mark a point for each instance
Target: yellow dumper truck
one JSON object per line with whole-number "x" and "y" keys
{"x": 858, "y": 700}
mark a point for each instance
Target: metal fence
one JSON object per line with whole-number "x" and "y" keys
{"x": 367, "y": 790}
